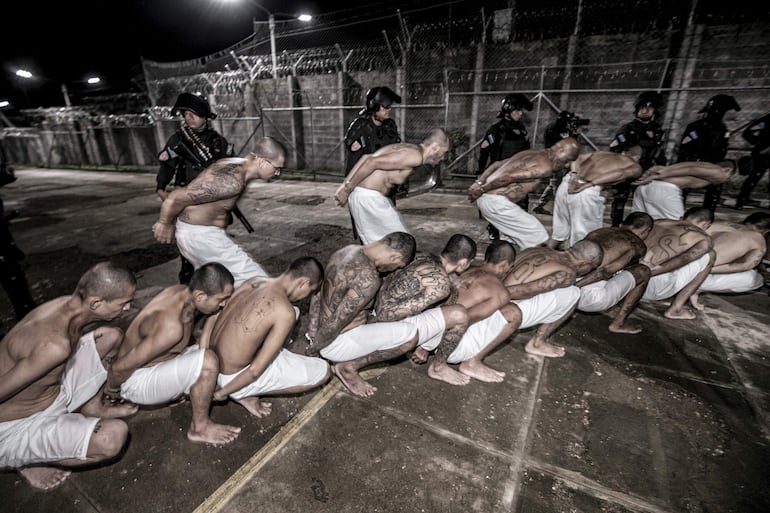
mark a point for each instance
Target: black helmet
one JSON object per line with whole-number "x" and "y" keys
{"x": 377, "y": 97}
{"x": 193, "y": 103}
{"x": 648, "y": 99}
{"x": 514, "y": 101}
{"x": 720, "y": 104}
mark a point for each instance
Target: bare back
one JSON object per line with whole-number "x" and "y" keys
{"x": 347, "y": 294}
{"x": 398, "y": 162}
{"x": 538, "y": 270}
{"x": 522, "y": 173}
{"x": 673, "y": 238}
{"x": 734, "y": 243}
{"x": 412, "y": 289}
{"x": 32, "y": 359}
{"x": 258, "y": 315}
{"x": 605, "y": 167}
{"x": 213, "y": 193}
{"x": 620, "y": 247}
{"x": 480, "y": 292}
{"x": 160, "y": 331}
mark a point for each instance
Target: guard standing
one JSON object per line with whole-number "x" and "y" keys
{"x": 189, "y": 150}
{"x": 645, "y": 131}
{"x": 706, "y": 140}
{"x": 372, "y": 130}
{"x": 504, "y": 139}
{"x": 758, "y": 135}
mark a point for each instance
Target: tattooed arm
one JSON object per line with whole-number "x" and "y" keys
{"x": 218, "y": 182}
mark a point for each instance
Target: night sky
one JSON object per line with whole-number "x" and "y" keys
{"x": 69, "y": 41}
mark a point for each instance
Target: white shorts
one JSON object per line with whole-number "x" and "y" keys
{"x": 575, "y": 215}
{"x": 668, "y": 284}
{"x": 478, "y": 336}
{"x": 203, "y": 244}
{"x": 368, "y": 338}
{"x": 514, "y": 224}
{"x": 733, "y": 282}
{"x": 662, "y": 200}
{"x": 430, "y": 327}
{"x": 287, "y": 370}
{"x": 165, "y": 381}
{"x": 603, "y": 295}
{"x": 374, "y": 214}
{"x": 57, "y": 434}
{"x": 547, "y": 307}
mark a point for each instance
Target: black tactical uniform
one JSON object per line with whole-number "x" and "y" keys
{"x": 567, "y": 124}
{"x": 706, "y": 139}
{"x": 646, "y": 133}
{"x": 188, "y": 152}
{"x": 758, "y": 135}
{"x": 505, "y": 139}
{"x": 367, "y": 134}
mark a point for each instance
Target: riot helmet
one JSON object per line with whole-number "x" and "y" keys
{"x": 514, "y": 101}
{"x": 648, "y": 99}
{"x": 377, "y": 97}
{"x": 571, "y": 121}
{"x": 193, "y": 103}
{"x": 718, "y": 105}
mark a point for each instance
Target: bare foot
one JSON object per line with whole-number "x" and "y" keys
{"x": 44, "y": 478}
{"x": 419, "y": 355}
{"x": 213, "y": 433}
{"x": 695, "y": 302}
{"x": 545, "y": 349}
{"x": 625, "y": 327}
{"x": 95, "y": 408}
{"x": 443, "y": 372}
{"x": 679, "y": 313}
{"x": 477, "y": 370}
{"x": 352, "y": 381}
{"x": 256, "y": 407}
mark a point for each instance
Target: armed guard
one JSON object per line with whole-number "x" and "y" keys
{"x": 706, "y": 140}
{"x": 189, "y": 150}
{"x": 506, "y": 138}
{"x": 372, "y": 130}
{"x": 645, "y": 131}
{"x": 754, "y": 167}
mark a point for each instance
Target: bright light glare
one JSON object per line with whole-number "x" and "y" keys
{"x": 304, "y": 17}
{"x": 4, "y": 103}
{"x": 23, "y": 73}
{"x": 94, "y": 80}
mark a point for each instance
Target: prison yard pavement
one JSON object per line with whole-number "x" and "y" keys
{"x": 674, "y": 419}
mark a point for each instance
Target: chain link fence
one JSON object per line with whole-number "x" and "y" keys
{"x": 452, "y": 63}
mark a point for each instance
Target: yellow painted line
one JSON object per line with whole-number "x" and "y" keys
{"x": 221, "y": 497}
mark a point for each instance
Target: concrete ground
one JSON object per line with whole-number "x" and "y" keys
{"x": 674, "y": 419}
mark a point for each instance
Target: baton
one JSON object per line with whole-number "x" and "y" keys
{"x": 242, "y": 218}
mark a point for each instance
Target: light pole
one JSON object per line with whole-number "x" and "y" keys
{"x": 27, "y": 75}
{"x": 271, "y": 28}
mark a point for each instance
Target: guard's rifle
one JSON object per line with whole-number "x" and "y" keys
{"x": 186, "y": 153}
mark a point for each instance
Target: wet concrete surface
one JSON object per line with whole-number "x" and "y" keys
{"x": 674, "y": 419}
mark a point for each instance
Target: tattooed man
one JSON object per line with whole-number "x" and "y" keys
{"x": 507, "y": 181}
{"x": 338, "y": 328}
{"x": 198, "y": 213}
{"x": 680, "y": 254}
{"x": 542, "y": 284}
{"x": 422, "y": 293}
{"x": 621, "y": 277}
